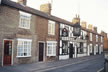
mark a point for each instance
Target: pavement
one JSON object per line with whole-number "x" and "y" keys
{"x": 82, "y": 64}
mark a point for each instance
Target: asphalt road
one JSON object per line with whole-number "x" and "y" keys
{"x": 82, "y": 64}
{"x": 92, "y": 65}
{"x": 106, "y": 61}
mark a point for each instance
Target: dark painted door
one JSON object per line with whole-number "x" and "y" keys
{"x": 7, "y": 52}
{"x": 41, "y": 51}
{"x": 71, "y": 51}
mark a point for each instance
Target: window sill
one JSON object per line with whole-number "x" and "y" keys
{"x": 24, "y": 27}
{"x": 22, "y": 56}
{"x": 51, "y": 34}
{"x": 50, "y": 55}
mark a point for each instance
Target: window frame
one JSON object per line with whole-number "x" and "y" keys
{"x": 51, "y": 31}
{"x": 24, "y": 16}
{"x": 91, "y": 36}
{"x": 91, "y": 48}
{"x": 53, "y": 45}
{"x": 101, "y": 39}
{"x": 96, "y": 38}
{"x": 24, "y": 40}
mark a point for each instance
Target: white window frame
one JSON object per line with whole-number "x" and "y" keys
{"x": 51, "y": 31}
{"x": 91, "y": 48}
{"x": 53, "y": 48}
{"x": 96, "y": 38}
{"x": 96, "y": 48}
{"x": 84, "y": 34}
{"x": 102, "y": 48}
{"x": 23, "y": 45}
{"x": 26, "y": 16}
{"x": 101, "y": 39}
{"x": 91, "y": 37}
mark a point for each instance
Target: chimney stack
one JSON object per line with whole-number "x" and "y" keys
{"x": 23, "y": 2}
{"x": 76, "y": 19}
{"x": 95, "y": 29}
{"x": 46, "y": 8}
{"x": 104, "y": 34}
{"x": 83, "y": 24}
{"x": 90, "y": 27}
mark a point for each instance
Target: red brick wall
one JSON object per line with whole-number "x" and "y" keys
{"x": 42, "y": 32}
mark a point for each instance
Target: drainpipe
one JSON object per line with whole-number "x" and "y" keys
{"x": 58, "y": 39}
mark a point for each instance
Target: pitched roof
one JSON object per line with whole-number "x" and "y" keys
{"x": 37, "y": 12}
{"x": 33, "y": 11}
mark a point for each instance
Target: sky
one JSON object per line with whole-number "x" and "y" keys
{"x": 94, "y": 12}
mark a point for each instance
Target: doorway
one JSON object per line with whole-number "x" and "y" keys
{"x": 41, "y": 51}
{"x": 7, "y": 58}
{"x": 71, "y": 51}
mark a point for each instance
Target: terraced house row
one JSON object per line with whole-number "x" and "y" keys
{"x": 28, "y": 35}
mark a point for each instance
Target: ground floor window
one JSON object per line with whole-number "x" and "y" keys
{"x": 24, "y": 47}
{"x": 80, "y": 48}
{"x": 96, "y": 48}
{"x": 90, "y": 46}
{"x": 51, "y": 48}
{"x": 102, "y": 48}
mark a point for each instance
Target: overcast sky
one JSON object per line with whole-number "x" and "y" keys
{"x": 94, "y": 12}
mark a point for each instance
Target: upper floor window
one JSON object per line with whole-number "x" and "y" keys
{"x": 24, "y": 20}
{"x": 24, "y": 48}
{"x": 84, "y": 33}
{"x": 96, "y": 38}
{"x": 101, "y": 39}
{"x": 90, "y": 36}
{"x": 51, "y": 27}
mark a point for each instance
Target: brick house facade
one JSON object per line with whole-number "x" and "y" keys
{"x": 36, "y": 37}
{"x": 10, "y": 30}
{"x": 43, "y": 36}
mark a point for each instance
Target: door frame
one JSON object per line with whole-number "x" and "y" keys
{"x": 3, "y": 51}
{"x": 43, "y": 49}
{"x": 71, "y": 49}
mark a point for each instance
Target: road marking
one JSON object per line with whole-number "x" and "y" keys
{"x": 100, "y": 69}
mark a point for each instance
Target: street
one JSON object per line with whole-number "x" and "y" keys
{"x": 92, "y": 65}
{"x": 106, "y": 60}
{"x": 83, "y": 64}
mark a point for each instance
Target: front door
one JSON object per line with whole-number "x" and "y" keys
{"x": 7, "y": 52}
{"x": 41, "y": 51}
{"x": 71, "y": 51}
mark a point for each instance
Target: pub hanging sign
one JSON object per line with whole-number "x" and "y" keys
{"x": 64, "y": 32}
{"x": 76, "y": 29}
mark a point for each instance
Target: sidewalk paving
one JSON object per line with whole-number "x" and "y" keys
{"x": 35, "y": 67}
